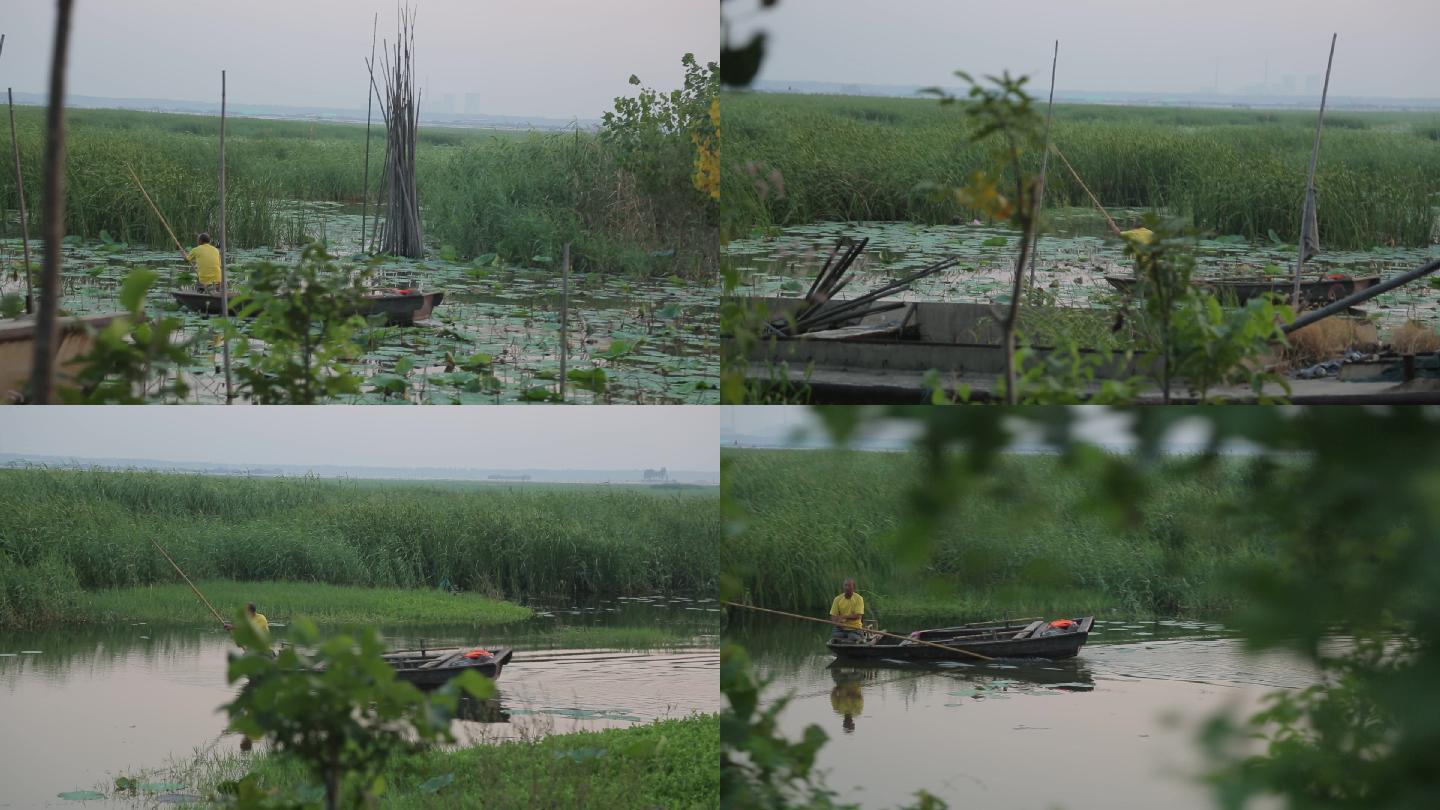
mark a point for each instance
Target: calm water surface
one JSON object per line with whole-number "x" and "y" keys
{"x": 1114, "y": 727}
{"x": 80, "y": 706}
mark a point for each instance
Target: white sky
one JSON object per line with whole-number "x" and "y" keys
{"x": 544, "y": 58}
{"x": 499, "y": 437}
{"x": 1386, "y": 47}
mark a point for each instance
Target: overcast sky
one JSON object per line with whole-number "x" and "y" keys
{"x": 502, "y": 437}
{"x": 1386, "y": 47}
{"x": 544, "y": 58}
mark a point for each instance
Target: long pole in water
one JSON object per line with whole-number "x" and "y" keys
{"x": 1045, "y": 158}
{"x": 20, "y": 187}
{"x": 133, "y": 176}
{"x": 47, "y": 318}
{"x": 1307, "y": 210}
{"x": 224, "y": 275}
{"x": 369, "y": 103}
{"x": 1115, "y": 229}
{"x": 188, "y": 582}
{"x": 564, "y": 317}
{"x": 960, "y": 650}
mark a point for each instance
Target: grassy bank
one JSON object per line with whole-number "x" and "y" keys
{"x": 518, "y": 195}
{"x": 1027, "y": 544}
{"x": 670, "y": 763}
{"x": 1233, "y": 171}
{"x": 66, "y": 532}
{"x": 176, "y": 604}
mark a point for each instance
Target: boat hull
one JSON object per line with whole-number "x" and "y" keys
{"x": 412, "y": 668}
{"x": 400, "y": 307}
{"x": 17, "y": 351}
{"x": 1314, "y": 293}
{"x": 989, "y": 641}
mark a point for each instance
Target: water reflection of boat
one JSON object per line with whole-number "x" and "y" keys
{"x": 474, "y": 710}
{"x": 1069, "y": 674}
{"x": 430, "y": 668}
{"x": 1038, "y": 639}
{"x": 401, "y": 307}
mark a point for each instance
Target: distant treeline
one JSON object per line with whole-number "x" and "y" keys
{"x": 1027, "y": 541}
{"x": 1234, "y": 171}
{"x": 64, "y": 531}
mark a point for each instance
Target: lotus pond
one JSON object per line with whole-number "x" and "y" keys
{"x": 494, "y": 339}
{"x": 1073, "y": 258}
{"x": 83, "y": 706}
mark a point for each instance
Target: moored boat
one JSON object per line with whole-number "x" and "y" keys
{"x": 401, "y": 307}
{"x": 430, "y": 668}
{"x": 1313, "y": 293}
{"x": 17, "y": 350}
{"x": 1034, "y": 639}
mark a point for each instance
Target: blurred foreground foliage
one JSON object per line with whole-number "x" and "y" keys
{"x": 1349, "y": 496}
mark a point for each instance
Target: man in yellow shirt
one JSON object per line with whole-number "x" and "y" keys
{"x": 256, "y": 618}
{"x": 847, "y": 613}
{"x": 207, "y": 263}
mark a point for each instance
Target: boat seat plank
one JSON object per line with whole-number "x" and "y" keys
{"x": 438, "y": 662}
{"x": 1029, "y": 629}
{"x": 888, "y": 329}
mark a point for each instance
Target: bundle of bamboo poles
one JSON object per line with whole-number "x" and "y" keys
{"x": 821, "y": 311}
{"x": 399, "y": 104}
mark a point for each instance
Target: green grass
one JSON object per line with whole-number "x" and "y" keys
{"x": 671, "y": 764}
{"x": 63, "y": 532}
{"x": 283, "y": 601}
{"x": 1026, "y": 542}
{"x": 515, "y": 194}
{"x": 1233, "y": 171}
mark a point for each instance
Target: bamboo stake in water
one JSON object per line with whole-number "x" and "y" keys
{"x": 564, "y": 317}
{"x": 224, "y": 276}
{"x": 47, "y": 321}
{"x": 20, "y": 188}
{"x": 1306, "y": 208}
{"x": 1045, "y": 158}
{"x": 960, "y": 650}
{"x": 369, "y": 104}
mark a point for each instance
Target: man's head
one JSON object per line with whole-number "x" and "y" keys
{"x": 848, "y": 586}
{"x": 203, "y": 238}
{"x": 251, "y": 608}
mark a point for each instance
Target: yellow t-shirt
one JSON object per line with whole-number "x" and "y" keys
{"x": 261, "y": 622}
{"x": 845, "y": 607}
{"x": 207, "y": 263}
{"x": 1143, "y": 236}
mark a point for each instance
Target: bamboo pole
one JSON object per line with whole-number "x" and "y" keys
{"x": 224, "y": 272}
{"x": 188, "y": 582}
{"x": 564, "y": 317}
{"x": 369, "y": 103}
{"x": 960, "y": 650}
{"x": 1307, "y": 212}
{"x": 184, "y": 256}
{"x": 1045, "y": 158}
{"x": 47, "y": 322}
{"x": 20, "y": 188}
{"x": 1115, "y": 229}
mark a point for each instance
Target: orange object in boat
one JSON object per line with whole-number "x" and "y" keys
{"x": 1063, "y": 623}
{"x": 477, "y": 653}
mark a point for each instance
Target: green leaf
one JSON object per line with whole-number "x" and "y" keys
{"x": 80, "y": 795}
{"x": 436, "y": 783}
{"x": 134, "y": 288}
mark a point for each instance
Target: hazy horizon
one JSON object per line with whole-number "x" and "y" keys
{"x": 1105, "y": 45}
{"x": 557, "y": 59}
{"x": 508, "y": 437}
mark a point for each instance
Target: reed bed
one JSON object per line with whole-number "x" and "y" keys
{"x": 1024, "y": 540}
{"x": 1233, "y": 172}
{"x": 519, "y": 195}
{"x": 67, "y": 531}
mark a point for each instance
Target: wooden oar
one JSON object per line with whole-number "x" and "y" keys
{"x": 173, "y": 237}
{"x": 1113, "y": 227}
{"x": 960, "y": 650}
{"x": 191, "y": 584}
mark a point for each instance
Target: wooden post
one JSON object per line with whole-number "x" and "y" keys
{"x": 20, "y": 188}
{"x": 47, "y": 322}
{"x": 1045, "y": 158}
{"x": 564, "y": 317}
{"x": 1307, "y": 207}
{"x": 369, "y": 103}
{"x": 224, "y": 272}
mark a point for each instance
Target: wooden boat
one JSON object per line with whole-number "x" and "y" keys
{"x": 17, "y": 350}
{"x": 1313, "y": 293}
{"x": 401, "y": 307}
{"x": 430, "y": 668}
{"x": 994, "y": 639}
